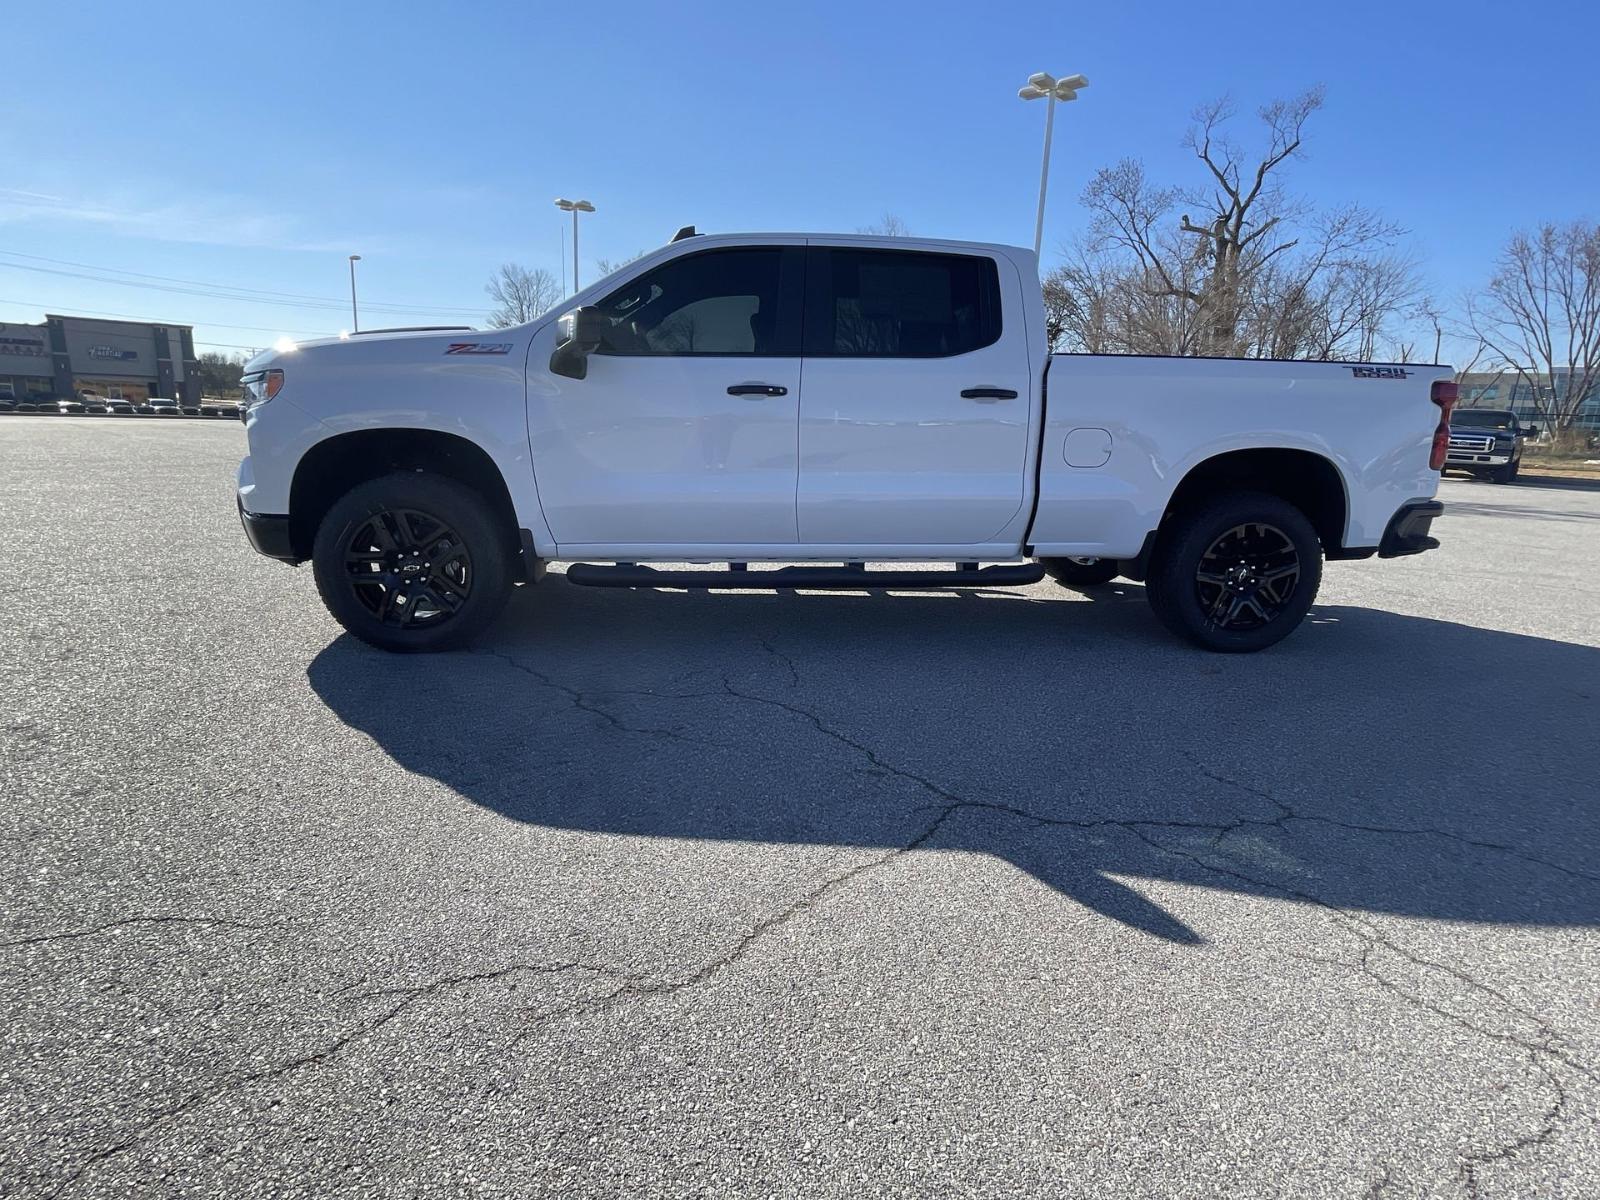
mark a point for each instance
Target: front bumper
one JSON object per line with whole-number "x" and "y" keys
{"x": 1407, "y": 532}
{"x": 268, "y": 535}
{"x": 1461, "y": 459}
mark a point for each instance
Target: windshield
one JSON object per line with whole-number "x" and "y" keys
{"x": 1480, "y": 419}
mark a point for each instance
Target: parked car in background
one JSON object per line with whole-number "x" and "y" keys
{"x": 1487, "y": 443}
{"x": 68, "y": 405}
{"x": 89, "y": 402}
{"x": 119, "y": 407}
{"x": 163, "y": 407}
{"x": 7, "y": 404}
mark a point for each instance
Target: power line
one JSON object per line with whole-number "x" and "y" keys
{"x": 101, "y": 312}
{"x": 332, "y": 306}
{"x": 217, "y": 291}
{"x": 62, "y": 262}
{"x": 338, "y": 301}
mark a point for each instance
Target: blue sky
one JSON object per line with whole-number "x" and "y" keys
{"x": 255, "y": 147}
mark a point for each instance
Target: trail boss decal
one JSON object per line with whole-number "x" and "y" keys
{"x": 1380, "y": 372}
{"x": 478, "y": 348}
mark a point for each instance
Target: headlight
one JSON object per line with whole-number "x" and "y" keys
{"x": 261, "y": 386}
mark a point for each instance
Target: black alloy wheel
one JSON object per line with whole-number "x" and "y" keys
{"x": 1246, "y": 577}
{"x": 1236, "y": 573}
{"x": 414, "y": 562}
{"x": 409, "y": 568}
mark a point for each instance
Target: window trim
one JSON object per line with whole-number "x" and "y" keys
{"x": 791, "y": 293}
{"x": 819, "y": 282}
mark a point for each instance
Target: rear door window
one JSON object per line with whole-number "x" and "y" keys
{"x": 900, "y": 303}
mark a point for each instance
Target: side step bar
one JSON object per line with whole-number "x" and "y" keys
{"x": 847, "y": 578}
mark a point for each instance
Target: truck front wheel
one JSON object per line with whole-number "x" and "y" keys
{"x": 412, "y": 562}
{"x": 1237, "y": 573}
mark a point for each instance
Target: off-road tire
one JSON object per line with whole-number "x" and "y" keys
{"x": 445, "y": 547}
{"x": 1197, "y": 542}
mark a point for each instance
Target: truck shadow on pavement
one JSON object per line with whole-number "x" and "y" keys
{"x": 1374, "y": 762}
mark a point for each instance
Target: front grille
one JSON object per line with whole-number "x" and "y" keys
{"x": 1472, "y": 443}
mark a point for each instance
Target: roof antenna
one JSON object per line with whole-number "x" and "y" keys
{"x": 688, "y": 231}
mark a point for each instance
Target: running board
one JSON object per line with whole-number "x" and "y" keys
{"x": 848, "y": 578}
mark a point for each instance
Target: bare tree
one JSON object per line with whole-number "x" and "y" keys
{"x": 1096, "y": 304}
{"x": 1260, "y": 274}
{"x": 1541, "y": 314}
{"x": 889, "y": 225}
{"x": 520, "y": 294}
{"x": 607, "y": 265}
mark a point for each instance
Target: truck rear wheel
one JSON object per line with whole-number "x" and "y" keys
{"x": 412, "y": 562}
{"x": 1081, "y": 572}
{"x": 1236, "y": 574}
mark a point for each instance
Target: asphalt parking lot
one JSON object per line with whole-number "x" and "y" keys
{"x": 680, "y": 894}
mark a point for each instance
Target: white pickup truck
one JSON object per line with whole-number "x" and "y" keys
{"x": 808, "y": 400}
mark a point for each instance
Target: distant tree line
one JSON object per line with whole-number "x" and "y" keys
{"x": 219, "y": 374}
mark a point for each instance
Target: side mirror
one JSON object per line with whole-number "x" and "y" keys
{"x": 1530, "y": 431}
{"x": 578, "y": 335}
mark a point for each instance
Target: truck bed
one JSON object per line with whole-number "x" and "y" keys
{"x": 1121, "y": 431}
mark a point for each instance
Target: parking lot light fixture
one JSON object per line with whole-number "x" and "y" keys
{"x": 355, "y": 318}
{"x": 575, "y": 207}
{"x": 1043, "y": 86}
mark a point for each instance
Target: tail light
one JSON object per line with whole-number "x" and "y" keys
{"x": 1444, "y": 395}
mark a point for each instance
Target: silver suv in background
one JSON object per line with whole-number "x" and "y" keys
{"x": 1487, "y": 443}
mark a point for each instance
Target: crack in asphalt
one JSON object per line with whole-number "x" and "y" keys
{"x": 583, "y": 703}
{"x": 162, "y": 919}
{"x": 794, "y": 671}
{"x": 1372, "y": 940}
{"x": 408, "y": 996}
{"x": 1290, "y": 814}
{"x": 632, "y": 986}
{"x": 1553, "y": 1117}
{"x": 952, "y": 804}
{"x": 644, "y": 988}
{"x": 1364, "y": 930}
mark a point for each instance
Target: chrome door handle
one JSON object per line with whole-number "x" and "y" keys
{"x": 988, "y": 393}
{"x": 757, "y": 389}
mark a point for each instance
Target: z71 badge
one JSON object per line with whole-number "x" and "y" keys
{"x": 1380, "y": 372}
{"x": 478, "y": 348}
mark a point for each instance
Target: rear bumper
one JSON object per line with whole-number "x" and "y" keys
{"x": 1407, "y": 532}
{"x": 268, "y": 535}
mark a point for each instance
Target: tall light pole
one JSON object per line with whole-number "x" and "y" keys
{"x": 355, "y": 317}
{"x": 574, "y": 207}
{"x": 1042, "y": 86}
